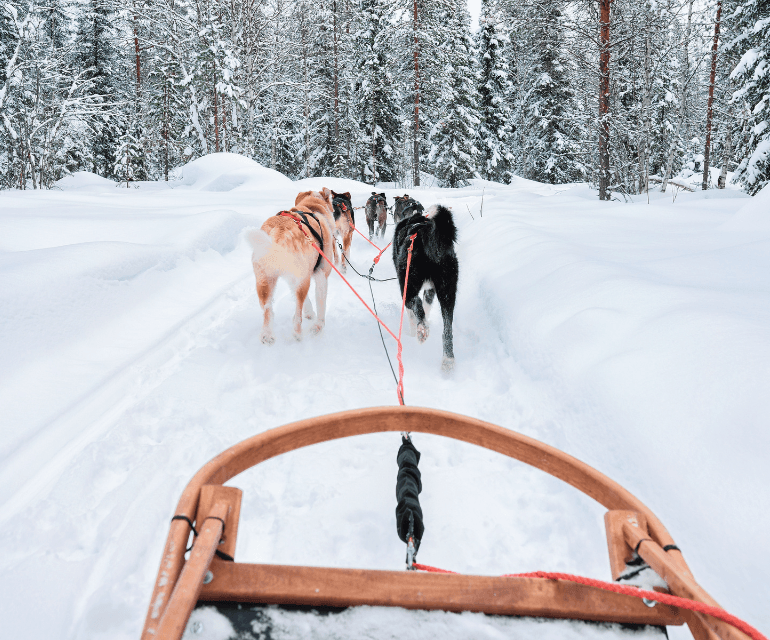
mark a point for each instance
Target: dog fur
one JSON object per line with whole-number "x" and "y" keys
{"x": 377, "y": 211}
{"x": 345, "y": 223}
{"x": 434, "y": 270}
{"x": 280, "y": 249}
{"x": 404, "y": 207}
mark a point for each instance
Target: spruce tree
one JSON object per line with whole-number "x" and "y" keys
{"x": 378, "y": 109}
{"x": 494, "y": 110}
{"x": 751, "y": 26}
{"x": 547, "y": 112}
{"x": 95, "y": 53}
{"x": 454, "y": 153}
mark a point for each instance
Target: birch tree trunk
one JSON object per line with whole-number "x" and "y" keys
{"x": 710, "y": 108}
{"x": 726, "y": 156}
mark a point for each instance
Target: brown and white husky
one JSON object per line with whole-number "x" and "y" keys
{"x": 283, "y": 248}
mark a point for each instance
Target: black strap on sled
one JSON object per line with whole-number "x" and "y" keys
{"x": 303, "y": 215}
{"x": 409, "y": 523}
{"x": 219, "y": 554}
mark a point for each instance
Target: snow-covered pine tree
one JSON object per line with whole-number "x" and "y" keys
{"x": 495, "y": 157}
{"x": 550, "y": 147}
{"x": 454, "y": 152}
{"x": 95, "y": 51}
{"x": 129, "y": 155}
{"x": 751, "y": 39}
{"x": 378, "y": 109}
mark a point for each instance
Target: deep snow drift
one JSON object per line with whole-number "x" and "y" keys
{"x": 635, "y": 337}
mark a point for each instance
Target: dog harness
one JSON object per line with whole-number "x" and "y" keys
{"x": 411, "y": 206}
{"x": 377, "y": 198}
{"x": 340, "y": 207}
{"x": 302, "y": 214}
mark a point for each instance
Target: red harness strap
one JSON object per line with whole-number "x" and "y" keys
{"x": 289, "y": 214}
{"x": 301, "y": 224}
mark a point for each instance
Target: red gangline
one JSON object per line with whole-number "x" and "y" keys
{"x": 400, "y": 387}
{"x": 665, "y": 598}
{"x": 355, "y": 228}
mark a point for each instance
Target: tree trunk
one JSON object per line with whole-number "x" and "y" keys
{"x": 165, "y": 128}
{"x": 416, "y": 160}
{"x": 709, "y": 110}
{"x": 216, "y": 118}
{"x": 138, "y": 62}
{"x": 336, "y": 90}
{"x": 604, "y": 99}
{"x": 726, "y": 156}
{"x": 644, "y": 173}
{"x": 682, "y": 98}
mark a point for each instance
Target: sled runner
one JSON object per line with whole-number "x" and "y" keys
{"x": 210, "y": 575}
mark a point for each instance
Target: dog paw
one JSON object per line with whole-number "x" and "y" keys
{"x": 422, "y": 332}
{"x": 316, "y": 328}
{"x": 447, "y": 364}
{"x": 268, "y": 338}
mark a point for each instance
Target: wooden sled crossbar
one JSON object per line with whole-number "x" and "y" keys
{"x": 215, "y": 509}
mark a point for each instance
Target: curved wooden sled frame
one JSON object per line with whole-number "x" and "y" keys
{"x": 215, "y": 509}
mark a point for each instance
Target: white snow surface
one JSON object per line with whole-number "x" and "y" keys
{"x": 635, "y": 337}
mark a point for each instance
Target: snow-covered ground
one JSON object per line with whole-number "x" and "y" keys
{"x": 635, "y": 337}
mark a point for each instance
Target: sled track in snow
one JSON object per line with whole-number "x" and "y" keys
{"x": 23, "y": 478}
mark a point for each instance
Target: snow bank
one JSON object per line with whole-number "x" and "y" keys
{"x": 633, "y": 336}
{"x": 755, "y": 215}
{"x": 84, "y": 181}
{"x": 229, "y": 172}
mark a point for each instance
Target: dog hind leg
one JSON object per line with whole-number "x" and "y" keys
{"x": 265, "y": 289}
{"x": 446, "y": 298}
{"x": 308, "y": 309}
{"x": 301, "y": 293}
{"x": 428, "y": 295}
{"x": 415, "y": 305}
{"x": 321, "y": 288}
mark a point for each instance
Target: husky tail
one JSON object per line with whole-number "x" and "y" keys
{"x": 259, "y": 242}
{"x": 441, "y": 237}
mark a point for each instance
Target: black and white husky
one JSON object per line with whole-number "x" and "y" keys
{"x": 434, "y": 270}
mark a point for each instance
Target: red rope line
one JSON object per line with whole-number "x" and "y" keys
{"x": 367, "y": 239}
{"x": 629, "y": 590}
{"x": 400, "y": 387}
{"x": 379, "y": 255}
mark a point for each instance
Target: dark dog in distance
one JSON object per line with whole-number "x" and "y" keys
{"x": 377, "y": 211}
{"x": 404, "y": 207}
{"x": 345, "y": 223}
{"x": 434, "y": 270}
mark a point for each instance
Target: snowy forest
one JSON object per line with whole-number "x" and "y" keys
{"x": 623, "y": 94}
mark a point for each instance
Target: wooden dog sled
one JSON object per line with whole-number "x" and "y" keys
{"x": 210, "y": 575}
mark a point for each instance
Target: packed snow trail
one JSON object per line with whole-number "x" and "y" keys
{"x": 635, "y": 337}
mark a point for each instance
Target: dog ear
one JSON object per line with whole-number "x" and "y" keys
{"x": 374, "y": 193}
{"x": 334, "y": 193}
{"x": 301, "y": 195}
{"x": 346, "y": 195}
{"x": 326, "y": 193}
{"x": 382, "y": 194}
